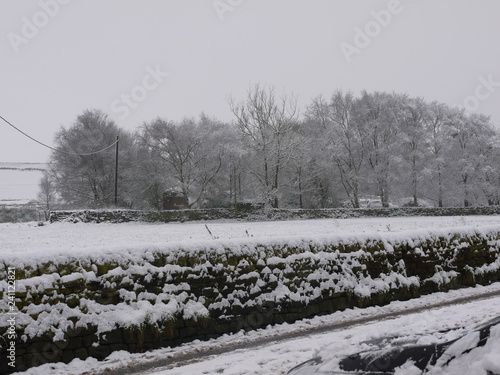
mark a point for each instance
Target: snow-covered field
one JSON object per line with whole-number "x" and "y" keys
{"x": 278, "y": 357}
{"x": 67, "y": 237}
{"x": 19, "y": 182}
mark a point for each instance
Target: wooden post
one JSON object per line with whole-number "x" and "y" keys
{"x": 116, "y": 172}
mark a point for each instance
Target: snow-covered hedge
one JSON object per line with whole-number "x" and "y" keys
{"x": 120, "y": 216}
{"x": 80, "y": 305}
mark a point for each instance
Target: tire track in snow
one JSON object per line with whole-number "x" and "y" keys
{"x": 195, "y": 355}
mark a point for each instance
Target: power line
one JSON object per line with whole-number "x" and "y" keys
{"x": 55, "y": 149}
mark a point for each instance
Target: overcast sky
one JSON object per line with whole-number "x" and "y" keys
{"x": 137, "y": 60}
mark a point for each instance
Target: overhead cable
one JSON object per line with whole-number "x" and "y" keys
{"x": 55, "y": 149}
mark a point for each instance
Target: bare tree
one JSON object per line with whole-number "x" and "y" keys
{"x": 267, "y": 124}
{"x": 347, "y": 139}
{"x": 150, "y": 182}
{"x": 410, "y": 113}
{"x": 47, "y": 191}
{"x": 190, "y": 152}
{"x": 436, "y": 122}
{"x": 472, "y": 135}
{"x": 375, "y": 110}
{"x": 491, "y": 171}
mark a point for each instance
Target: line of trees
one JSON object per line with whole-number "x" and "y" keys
{"x": 341, "y": 150}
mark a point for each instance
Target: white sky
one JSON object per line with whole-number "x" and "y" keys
{"x": 91, "y": 52}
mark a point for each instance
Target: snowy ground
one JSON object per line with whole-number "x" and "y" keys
{"x": 20, "y": 240}
{"x": 280, "y": 356}
{"x": 19, "y": 182}
{"x": 67, "y": 237}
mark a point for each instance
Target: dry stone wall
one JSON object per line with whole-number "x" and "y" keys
{"x": 81, "y": 305}
{"x": 120, "y": 216}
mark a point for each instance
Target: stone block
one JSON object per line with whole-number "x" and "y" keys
{"x": 67, "y": 356}
{"x": 81, "y": 353}
{"x": 112, "y": 337}
{"x": 99, "y": 352}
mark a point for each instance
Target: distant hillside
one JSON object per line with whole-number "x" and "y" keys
{"x": 20, "y": 166}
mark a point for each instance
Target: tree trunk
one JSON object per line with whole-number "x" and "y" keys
{"x": 466, "y": 191}
{"x": 384, "y": 190}
{"x": 299, "y": 175}
{"x": 414, "y": 181}
{"x": 440, "y": 191}
{"x": 275, "y": 186}
{"x": 355, "y": 196}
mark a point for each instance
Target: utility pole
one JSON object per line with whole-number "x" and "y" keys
{"x": 116, "y": 172}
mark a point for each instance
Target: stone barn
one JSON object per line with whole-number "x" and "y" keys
{"x": 173, "y": 200}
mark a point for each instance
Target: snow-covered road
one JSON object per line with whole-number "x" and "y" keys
{"x": 279, "y": 356}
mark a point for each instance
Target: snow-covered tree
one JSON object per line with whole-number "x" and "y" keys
{"x": 83, "y": 168}
{"x": 266, "y": 123}
{"x": 376, "y": 111}
{"x": 472, "y": 134}
{"x": 411, "y": 113}
{"x": 190, "y": 152}
{"x": 437, "y": 129}
{"x": 347, "y": 139}
{"x": 47, "y": 191}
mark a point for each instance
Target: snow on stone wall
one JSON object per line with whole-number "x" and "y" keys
{"x": 121, "y": 216}
{"x": 79, "y": 305}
